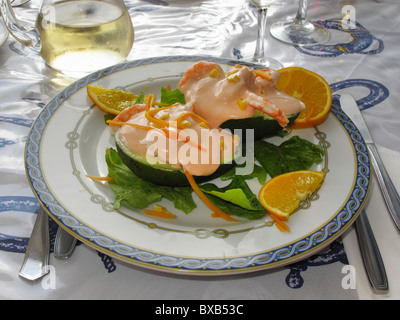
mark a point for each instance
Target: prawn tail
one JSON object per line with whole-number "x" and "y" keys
{"x": 198, "y": 71}
{"x": 271, "y": 110}
{"x": 125, "y": 115}
{"x": 281, "y": 118}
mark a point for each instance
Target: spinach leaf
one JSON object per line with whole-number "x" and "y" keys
{"x": 171, "y": 97}
{"x": 140, "y": 98}
{"x": 236, "y": 210}
{"x": 139, "y": 193}
{"x": 236, "y": 198}
{"x": 258, "y": 172}
{"x": 292, "y": 155}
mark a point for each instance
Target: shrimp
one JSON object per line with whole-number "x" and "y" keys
{"x": 126, "y": 114}
{"x": 238, "y": 80}
{"x": 199, "y": 70}
{"x": 267, "y": 107}
{"x": 265, "y": 78}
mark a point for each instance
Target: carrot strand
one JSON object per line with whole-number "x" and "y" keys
{"x": 149, "y": 101}
{"x": 161, "y": 214}
{"x": 138, "y": 126}
{"x": 280, "y": 224}
{"x": 207, "y": 202}
{"x": 150, "y": 115}
{"x": 263, "y": 75}
{"x": 107, "y": 179}
{"x": 167, "y": 132}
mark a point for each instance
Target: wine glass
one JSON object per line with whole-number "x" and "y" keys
{"x": 259, "y": 54}
{"x": 300, "y": 31}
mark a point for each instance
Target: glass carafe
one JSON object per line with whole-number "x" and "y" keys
{"x": 76, "y": 37}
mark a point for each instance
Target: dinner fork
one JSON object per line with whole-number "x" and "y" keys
{"x": 36, "y": 260}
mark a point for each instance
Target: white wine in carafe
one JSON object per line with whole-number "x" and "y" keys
{"x": 82, "y": 36}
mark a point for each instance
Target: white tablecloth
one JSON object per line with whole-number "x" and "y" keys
{"x": 362, "y": 62}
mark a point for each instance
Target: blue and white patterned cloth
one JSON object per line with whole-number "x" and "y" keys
{"x": 362, "y": 61}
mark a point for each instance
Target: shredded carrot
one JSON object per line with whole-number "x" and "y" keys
{"x": 138, "y": 126}
{"x": 207, "y": 202}
{"x": 186, "y": 140}
{"x": 155, "y": 103}
{"x": 107, "y": 179}
{"x": 263, "y": 75}
{"x": 280, "y": 224}
{"x": 168, "y": 87}
{"x": 193, "y": 144}
{"x": 169, "y": 134}
{"x": 159, "y": 213}
{"x": 150, "y": 115}
{"x": 149, "y": 101}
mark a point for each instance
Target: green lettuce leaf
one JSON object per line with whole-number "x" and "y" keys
{"x": 139, "y": 193}
{"x": 171, "y": 97}
{"x": 258, "y": 172}
{"x": 236, "y": 210}
{"x": 236, "y": 198}
{"x": 292, "y": 155}
{"x": 140, "y": 98}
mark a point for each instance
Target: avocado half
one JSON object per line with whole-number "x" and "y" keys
{"x": 264, "y": 126}
{"x": 162, "y": 174}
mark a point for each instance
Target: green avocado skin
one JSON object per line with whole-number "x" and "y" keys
{"x": 165, "y": 175}
{"x": 263, "y": 127}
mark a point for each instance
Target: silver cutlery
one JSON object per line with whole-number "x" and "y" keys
{"x": 389, "y": 191}
{"x": 64, "y": 244}
{"x": 370, "y": 254}
{"x": 17, "y": 3}
{"x": 36, "y": 260}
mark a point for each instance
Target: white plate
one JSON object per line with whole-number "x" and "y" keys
{"x": 68, "y": 141}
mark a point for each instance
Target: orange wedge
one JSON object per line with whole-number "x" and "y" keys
{"x": 312, "y": 90}
{"x": 282, "y": 195}
{"x": 111, "y": 101}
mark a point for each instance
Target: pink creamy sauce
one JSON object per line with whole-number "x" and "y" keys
{"x": 215, "y": 94}
{"x": 216, "y": 144}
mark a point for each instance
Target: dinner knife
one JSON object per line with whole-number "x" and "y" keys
{"x": 371, "y": 256}
{"x": 36, "y": 260}
{"x": 389, "y": 192}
